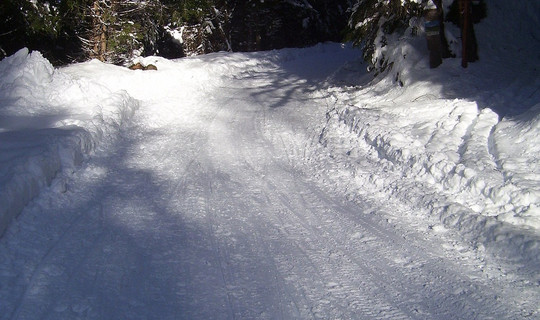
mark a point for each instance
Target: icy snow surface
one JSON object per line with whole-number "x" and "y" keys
{"x": 276, "y": 185}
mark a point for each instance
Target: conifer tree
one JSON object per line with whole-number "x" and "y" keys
{"x": 115, "y": 31}
{"x": 372, "y": 21}
{"x": 24, "y": 22}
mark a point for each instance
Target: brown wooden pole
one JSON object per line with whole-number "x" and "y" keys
{"x": 445, "y": 49}
{"x": 433, "y": 29}
{"x": 465, "y": 11}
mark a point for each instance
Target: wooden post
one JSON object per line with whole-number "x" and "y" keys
{"x": 465, "y": 10}
{"x": 433, "y": 29}
{"x": 445, "y": 49}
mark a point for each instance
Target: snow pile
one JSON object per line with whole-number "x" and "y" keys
{"x": 458, "y": 147}
{"x": 48, "y": 122}
{"x": 441, "y": 154}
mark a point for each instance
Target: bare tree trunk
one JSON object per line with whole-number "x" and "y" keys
{"x": 99, "y": 31}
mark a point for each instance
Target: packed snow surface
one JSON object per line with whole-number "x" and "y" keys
{"x": 285, "y": 184}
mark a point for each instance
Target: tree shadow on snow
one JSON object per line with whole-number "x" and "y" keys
{"x": 297, "y": 74}
{"x": 130, "y": 242}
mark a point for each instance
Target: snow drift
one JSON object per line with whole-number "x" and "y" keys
{"x": 456, "y": 147}
{"x": 48, "y": 123}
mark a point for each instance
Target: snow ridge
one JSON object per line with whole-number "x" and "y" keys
{"x": 49, "y": 122}
{"x": 449, "y": 144}
{"x": 436, "y": 155}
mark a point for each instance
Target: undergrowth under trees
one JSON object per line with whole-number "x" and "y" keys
{"x": 375, "y": 25}
{"x": 116, "y": 31}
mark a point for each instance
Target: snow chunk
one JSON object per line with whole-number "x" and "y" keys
{"x": 176, "y": 34}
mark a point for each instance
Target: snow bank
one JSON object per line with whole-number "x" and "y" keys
{"x": 48, "y": 123}
{"x": 460, "y": 146}
{"x": 471, "y": 172}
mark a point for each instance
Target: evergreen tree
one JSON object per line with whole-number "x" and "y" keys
{"x": 372, "y": 21}
{"x": 204, "y": 24}
{"x": 118, "y": 30}
{"x": 28, "y": 23}
{"x": 270, "y": 24}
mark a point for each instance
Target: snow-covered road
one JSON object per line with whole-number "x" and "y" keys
{"x": 204, "y": 208}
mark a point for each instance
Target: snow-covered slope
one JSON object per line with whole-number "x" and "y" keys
{"x": 458, "y": 145}
{"x": 48, "y": 123}
{"x": 229, "y": 196}
{"x": 255, "y": 185}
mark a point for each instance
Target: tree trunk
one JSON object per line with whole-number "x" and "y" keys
{"x": 99, "y": 32}
{"x": 433, "y": 37}
{"x": 445, "y": 48}
{"x": 469, "y": 44}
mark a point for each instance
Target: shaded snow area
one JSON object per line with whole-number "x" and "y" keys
{"x": 49, "y": 122}
{"x": 286, "y": 184}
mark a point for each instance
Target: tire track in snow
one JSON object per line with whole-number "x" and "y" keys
{"x": 342, "y": 281}
{"x": 407, "y": 272}
{"x": 241, "y": 244}
{"x": 51, "y": 267}
{"x": 211, "y": 220}
{"x": 316, "y": 258}
{"x": 425, "y": 273}
{"x": 245, "y": 172}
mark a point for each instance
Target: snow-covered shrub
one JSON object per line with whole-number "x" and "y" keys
{"x": 373, "y": 22}
{"x": 383, "y": 27}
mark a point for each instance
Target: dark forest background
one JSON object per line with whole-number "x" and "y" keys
{"x": 116, "y": 31}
